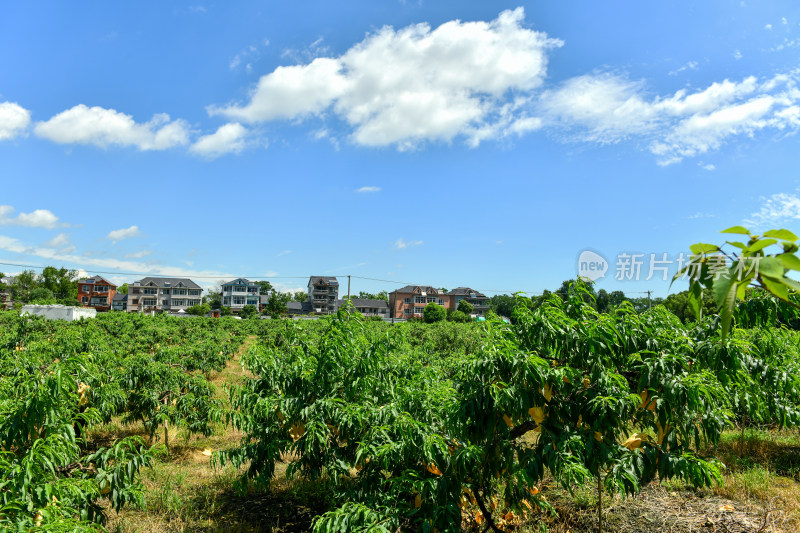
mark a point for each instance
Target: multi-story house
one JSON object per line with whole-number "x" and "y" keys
{"x": 163, "y": 294}
{"x": 5, "y": 292}
{"x": 240, "y": 292}
{"x": 369, "y": 307}
{"x": 120, "y": 302}
{"x": 323, "y": 291}
{"x": 410, "y": 301}
{"x": 479, "y": 301}
{"x": 96, "y": 292}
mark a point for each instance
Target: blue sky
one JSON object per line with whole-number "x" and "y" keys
{"x": 481, "y": 144}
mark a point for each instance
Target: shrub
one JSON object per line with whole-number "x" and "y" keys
{"x": 434, "y": 313}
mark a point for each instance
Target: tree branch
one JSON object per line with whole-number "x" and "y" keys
{"x": 489, "y": 521}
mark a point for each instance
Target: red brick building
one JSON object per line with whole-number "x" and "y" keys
{"x": 96, "y": 292}
{"x": 410, "y": 301}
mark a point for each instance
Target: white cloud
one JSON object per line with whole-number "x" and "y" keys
{"x": 369, "y": 189}
{"x": 39, "y": 218}
{"x": 14, "y": 120}
{"x": 737, "y": 54}
{"x": 607, "y": 108}
{"x": 776, "y": 209}
{"x": 13, "y": 245}
{"x": 59, "y": 241}
{"x": 400, "y": 244}
{"x": 768, "y": 26}
{"x": 709, "y": 166}
{"x": 139, "y": 254}
{"x": 285, "y": 252}
{"x": 784, "y": 21}
{"x": 691, "y": 65}
{"x": 106, "y": 127}
{"x": 405, "y": 87}
{"x": 229, "y": 138}
{"x": 126, "y": 233}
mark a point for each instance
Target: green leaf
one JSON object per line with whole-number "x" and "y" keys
{"x": 739, "y": 245}
{"x": 790, "y": 261}
{"x": 771, "y": 267}
{"x": 695, "y": 298}
{"x": 703, "y": 248}
{"x": 737, "y": 230}
{"x": 783, "y": 234}
{"x": 776, "y": 287}
{"x": 725, "y": 296}
{"x": 761, "y": 244}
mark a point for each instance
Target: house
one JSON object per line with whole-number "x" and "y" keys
{"x": 5, "y": 292}
{"x": 479, "y": 301}
{"x": 240, "y": 292}
{"x": 299, "y": 308}
{"x": 368, "y": 307}
{"x": 163, "y": 294}
{"x": 119, "y": 302}
{"x": 96, "y": 292}
{"x": 323, "y": 292}
{"x": 410, "y": 301}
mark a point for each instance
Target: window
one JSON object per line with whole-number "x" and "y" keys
{"x": 164, "y": 291}
{"x": 165, "y": 302}
{"x": 431, "y": 299}
{"x": 407, "y": 300}
{"x": 194, "y": 302}
{"x": 181, "y": 292}
{"x": 86, "y": 288}
{"x": 150, "y": 291}
{"x": 238, "y": 300}
{"x": 441, "y": 301}
{"x": 85, "y": 299}
{"x": 420, "y": 300}
{"x": 419, "y": 310}
{"x": 179, "y": 303}
{"x": 148, "y": 301}
{"x": 194, "y": 292}
{"x": 135, "y": 301}
{"x": 101, "y": 288}
{"x": 407, "y": 311}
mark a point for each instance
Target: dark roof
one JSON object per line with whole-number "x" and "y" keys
{"x": 95, "y": 280}
{"x": 299, "y": 308}
{"x": 330, "y": 280}
{"x": 249, "y": 283}
{"x": 411, "y": 288}
{"x": 365, "y": 302}
{"x": 120, "y": 297}
{"x": 465, "y": 291}
{"x": 170, "y": 283}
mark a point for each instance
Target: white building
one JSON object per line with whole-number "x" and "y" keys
{"x": 240, "y": 292}
{"x": 163, "y": 294}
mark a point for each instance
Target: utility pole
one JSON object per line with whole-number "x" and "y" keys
{"x": 348, "y": 286}
{"x": 649, "y": 302}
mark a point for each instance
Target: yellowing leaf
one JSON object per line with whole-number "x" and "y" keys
{"x": 635, "y": 441}
{"x": 598, "y": 436}
{"x": 433, "y": 469}
{"x": 207, "y": 452}
{"x": 537, "y": 413}
{"x": 418, "y": 501}
{"x": 727, "y": 508}
{"x": 507, "y": 420}
{"x": 547, "y": 392}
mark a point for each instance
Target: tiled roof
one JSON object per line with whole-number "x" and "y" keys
{"x": 465, "y": 291}
{"x": 168, "y": 283}
{"x": 330, "y": 280}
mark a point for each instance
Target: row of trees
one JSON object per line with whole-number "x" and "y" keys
{"x": 604, "y": 301}
{"x": 53, "y": 285}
